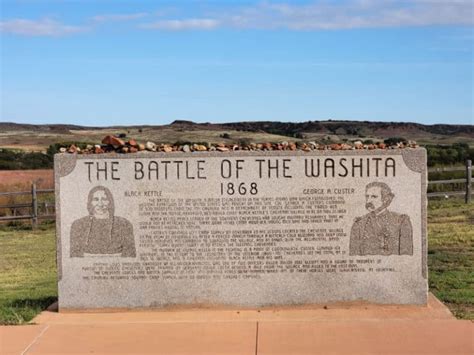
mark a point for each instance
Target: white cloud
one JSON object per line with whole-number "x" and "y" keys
{"x": 43, "y": 27}
{"x": 181, "y": 25}
{"x": 331, "y": 15}
{"x": 119, "y": 17}
{"x": 311, "y": 16}
{"x": 323, "y": 15}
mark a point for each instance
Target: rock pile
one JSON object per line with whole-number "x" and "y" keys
{"x": 116, "y": 145}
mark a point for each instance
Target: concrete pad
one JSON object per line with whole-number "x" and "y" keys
{"x": 332, "y": 329}
{"x": 15, "y": 340}
{"x": 172, "y": 338}
{"x": 366, "y": 337}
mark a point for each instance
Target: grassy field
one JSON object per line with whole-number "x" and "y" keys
{"x": 28, "y": 268}
{"x": 27, "y": 272}
{"x": 451, "y": 255}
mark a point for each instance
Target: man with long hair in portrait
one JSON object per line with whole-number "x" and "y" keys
{"x": 101, "y": 232}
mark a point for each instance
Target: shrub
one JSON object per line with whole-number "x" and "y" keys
{"x": 17, "y": 160}
{"x": 449, "y": 154}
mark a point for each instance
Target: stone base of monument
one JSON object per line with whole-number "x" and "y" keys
{"x": 434, "y": 310}
{"x": 361, "y": 329}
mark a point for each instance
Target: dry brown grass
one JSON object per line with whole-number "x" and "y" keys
{"x": 16, "y": 180}
{"x": 33, "y": 141}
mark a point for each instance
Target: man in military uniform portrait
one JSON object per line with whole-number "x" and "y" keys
{"x": 381, "y": 232}
{"x": 101, "y": 233}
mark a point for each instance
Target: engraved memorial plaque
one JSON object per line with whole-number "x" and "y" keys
{"x": 241, "y": 229}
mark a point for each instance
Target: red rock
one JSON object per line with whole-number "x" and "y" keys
{"x": 292, "y": 146}
{"x": 98, "y": 150}
{"x": 113, "y": 141}
{"x": 72, "y": 149}
{"x": 382, "y": 145}
{"x": 132, "y": 143}
{"x": 133, "y": 149}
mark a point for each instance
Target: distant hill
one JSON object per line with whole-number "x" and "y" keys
{"x": 352, "y": 128}
{"x": 39, "y": 137}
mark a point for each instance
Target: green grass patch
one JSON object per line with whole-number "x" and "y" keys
{"x": 451, "y": 255}
{"x": 27, "y": 272}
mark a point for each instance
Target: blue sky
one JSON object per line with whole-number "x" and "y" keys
{"x": 107, "y": 62}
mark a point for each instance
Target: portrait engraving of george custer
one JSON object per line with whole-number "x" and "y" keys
{"x": 381, "y": 232}
{"x": 101, "y": 232}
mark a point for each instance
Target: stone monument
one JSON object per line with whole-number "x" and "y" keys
{"x": 241, "y": 229}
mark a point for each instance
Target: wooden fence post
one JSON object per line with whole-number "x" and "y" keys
{"x": 468, "y": 180}
{"x": 34, "y": 205}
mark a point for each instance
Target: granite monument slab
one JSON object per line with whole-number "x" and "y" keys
{"x": 241, "y": 229}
